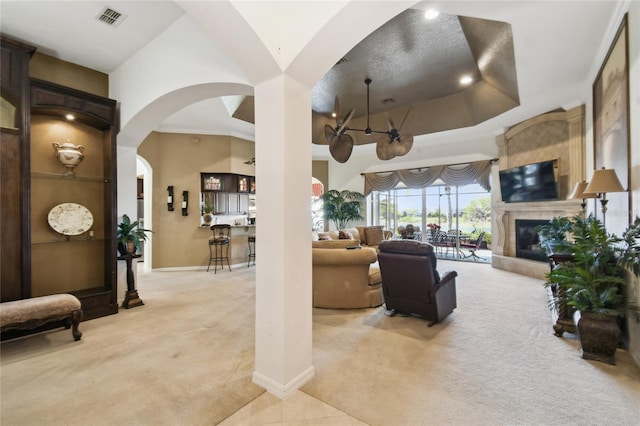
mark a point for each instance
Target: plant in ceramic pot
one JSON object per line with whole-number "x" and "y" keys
{"x": 594, "y": 284}
{"x": 207, "y": 216}
{"x": 341, "y": 207}
{"x": 129, "y": 236}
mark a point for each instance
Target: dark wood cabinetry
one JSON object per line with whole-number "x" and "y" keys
{"x": 227, "y": 193}
{"x": 14, "y": 170}
{"x": 82, "y": 263}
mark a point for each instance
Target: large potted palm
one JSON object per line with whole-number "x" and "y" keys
{"x": 341, "y": 207}
{"x": 594, "y": 284}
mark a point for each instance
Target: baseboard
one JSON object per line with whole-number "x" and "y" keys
{"x": 286, "y": 390}
{"x": 198, "y": 268}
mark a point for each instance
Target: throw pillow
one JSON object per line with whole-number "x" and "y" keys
{"x": 315, "y": 236}
{"x": 345, "y": 235}
{"x": 374, "y": 236}
{"x": 324, "y": 237}
{"x": 361, "y": 232}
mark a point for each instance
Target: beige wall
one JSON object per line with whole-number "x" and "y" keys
{"x": 320, "y": 171}
{"x": 177, "y": 160}
{"x": 64, "y": 73}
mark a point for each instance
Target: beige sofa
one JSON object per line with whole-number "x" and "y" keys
{"x": 344, "y": 278}
{"x": 369, "y": 236}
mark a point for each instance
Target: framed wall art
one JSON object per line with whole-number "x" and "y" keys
{"x": 611, "y": 127}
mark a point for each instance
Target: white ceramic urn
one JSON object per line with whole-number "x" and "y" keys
{"x": 69, "y": 155}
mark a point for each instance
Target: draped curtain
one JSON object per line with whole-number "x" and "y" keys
{"x": 458, "y": 174}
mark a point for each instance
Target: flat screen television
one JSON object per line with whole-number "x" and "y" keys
{"x": 531, "y": 182}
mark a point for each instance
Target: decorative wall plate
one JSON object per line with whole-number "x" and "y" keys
{"x": 70, "y": 219}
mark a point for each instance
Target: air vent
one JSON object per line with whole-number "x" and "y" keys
{"x": 111, "y": 17}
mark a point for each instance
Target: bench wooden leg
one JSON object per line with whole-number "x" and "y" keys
{"x": 76, "y": 317}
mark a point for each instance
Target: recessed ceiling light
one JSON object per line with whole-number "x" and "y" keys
{"x": 333, "y": 114}
{"x": 70, "y": 117}
{"x": 466, "y": 80}
{"x": 431, "y": 14}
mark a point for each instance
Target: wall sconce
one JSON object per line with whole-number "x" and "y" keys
{"x": 604, "y": 181}
{"x": 185, "y": 203}
{"x": 170, "y": 198}
{"x": 578, "y": 193}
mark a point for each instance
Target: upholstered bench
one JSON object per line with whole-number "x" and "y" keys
{"x": 28, "y": 314}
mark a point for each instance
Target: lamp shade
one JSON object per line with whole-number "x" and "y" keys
{"x": 603, "y": 181}
{"x": 579, "y": 192}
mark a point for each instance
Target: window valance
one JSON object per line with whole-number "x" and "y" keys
{"x": 458, "y": 174}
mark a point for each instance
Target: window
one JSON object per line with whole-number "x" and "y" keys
{"x": 466, "y": 208}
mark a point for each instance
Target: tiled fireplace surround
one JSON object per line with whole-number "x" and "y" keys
{"x": 557, "y": 135}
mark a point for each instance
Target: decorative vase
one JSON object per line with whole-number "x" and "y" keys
{"x": 207, "y": 218}
{"x": 69, "y": 155}
{"x": 599, "y": 336}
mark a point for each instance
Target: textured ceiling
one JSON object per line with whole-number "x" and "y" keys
{"x": 417, "y": 63}
{"x": 415, "y": 66}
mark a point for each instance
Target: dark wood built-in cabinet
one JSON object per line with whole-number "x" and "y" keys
{"x": 83, "y": 264}
{"x": 14, "y": 170}
{"x": 227, "y": 193}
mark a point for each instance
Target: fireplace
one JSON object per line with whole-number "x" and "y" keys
{"x": 527, "y": 240}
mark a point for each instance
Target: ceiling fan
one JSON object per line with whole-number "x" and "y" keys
{"x": 390, "y": 144}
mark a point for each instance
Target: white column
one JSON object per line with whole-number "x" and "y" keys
{"x": 283, "y": 246}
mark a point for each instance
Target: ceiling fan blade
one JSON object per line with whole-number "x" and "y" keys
{"x": 402, "y": 145}
{"x": 329, "y": 133}
{"x": 384, "y": 148}
{"x": 345, "y": 122}
{"x": 341, "y": 147}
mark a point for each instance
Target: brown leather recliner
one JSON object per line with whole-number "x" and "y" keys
{"x": 411, "y": 283}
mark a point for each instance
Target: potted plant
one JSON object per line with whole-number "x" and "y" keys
{"x": 207, "y": 216}
{"x": 553, "y": 235}
{"x": 593, "y": 283}
{"x": 341, "y": 207}
{"x": 129, "y": 236}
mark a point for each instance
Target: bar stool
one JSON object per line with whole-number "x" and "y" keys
{"x": 219, "y": 246}
{"x": 252, "y": 249}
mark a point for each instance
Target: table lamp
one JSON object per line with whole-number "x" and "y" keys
{"x": 578, "y": 193}
{"x": 602, "y": 182}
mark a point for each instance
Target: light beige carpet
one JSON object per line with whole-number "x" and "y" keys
{"x": 494, "y": 361}
{"x": 186, "y": 358}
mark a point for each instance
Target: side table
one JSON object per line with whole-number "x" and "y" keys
{"x": 131, "y": 297}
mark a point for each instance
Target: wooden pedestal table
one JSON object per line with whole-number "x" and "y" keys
{"x": 131, "y": 298}
{"x": 562, "y": 313}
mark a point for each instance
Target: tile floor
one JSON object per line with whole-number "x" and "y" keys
{"x": 299, "y": 409}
